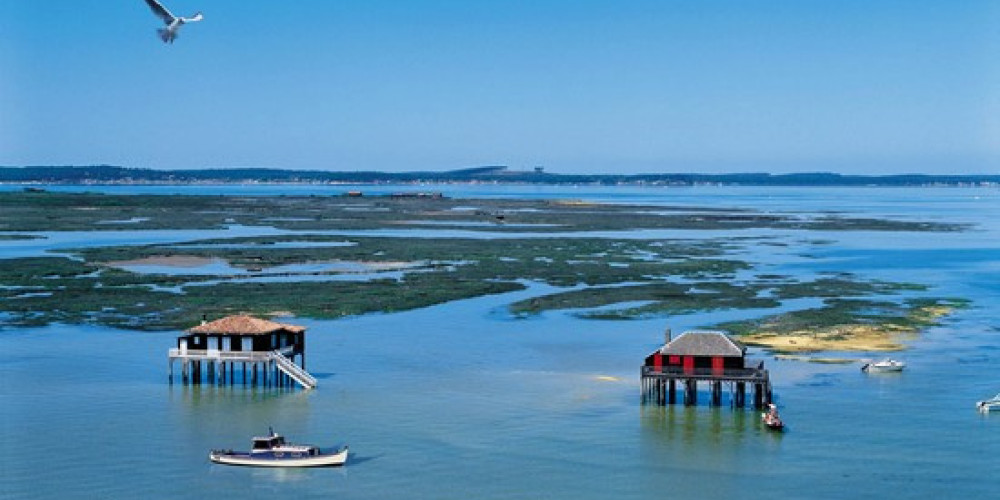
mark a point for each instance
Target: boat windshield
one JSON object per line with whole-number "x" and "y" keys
{"x": 268, "y": 442}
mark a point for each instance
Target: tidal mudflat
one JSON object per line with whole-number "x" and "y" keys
{"x": 586, "y": 250}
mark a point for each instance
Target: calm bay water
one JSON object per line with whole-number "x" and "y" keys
{"x": 461, "y": 401}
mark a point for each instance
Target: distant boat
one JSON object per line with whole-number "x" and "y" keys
{"x": 988, "y": 405}
{"x": 886, "y": 365}
{"x": 273, "y": 451}
{"x": 771, "y": 418}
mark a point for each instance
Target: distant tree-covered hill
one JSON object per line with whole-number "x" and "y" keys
{"x": 105, "y": 174}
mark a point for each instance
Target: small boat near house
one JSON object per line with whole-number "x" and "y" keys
{"x": 273, "y": 451}
{"x": 771, "y": 418}
{"x": 988, "y": 405}
{"x": 885, "y": 366}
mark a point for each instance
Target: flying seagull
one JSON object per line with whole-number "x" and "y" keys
{"x": 173, "y": 22}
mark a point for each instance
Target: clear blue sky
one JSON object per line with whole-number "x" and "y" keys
{"x": 577, "y": 86}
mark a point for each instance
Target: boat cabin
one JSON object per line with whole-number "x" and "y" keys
{"x": 274, "y": 446}
{"x": 268, "y": 443}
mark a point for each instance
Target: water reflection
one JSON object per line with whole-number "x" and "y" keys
{"x": 717, "y": 426}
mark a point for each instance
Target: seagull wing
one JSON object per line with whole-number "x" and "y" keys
{"x": 193, "y": 19}
{"x": 160, "y": 11}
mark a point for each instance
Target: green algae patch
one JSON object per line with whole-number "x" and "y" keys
{"x": 139, "y": 307}
{"x": 638, "y": 301}
{"x": 658, "y": 299}
{"x": 399, "y": 274}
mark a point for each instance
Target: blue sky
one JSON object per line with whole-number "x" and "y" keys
{"x": 575, "y": 86}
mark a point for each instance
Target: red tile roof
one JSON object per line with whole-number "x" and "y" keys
{"x": 244, "y": 325}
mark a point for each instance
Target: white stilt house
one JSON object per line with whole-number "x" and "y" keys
{"x": 267, "y": 348}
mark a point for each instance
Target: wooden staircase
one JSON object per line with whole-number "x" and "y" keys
{"x": 293, "y": 370}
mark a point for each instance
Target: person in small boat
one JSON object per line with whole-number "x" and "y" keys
{"x": 772, "y": 414}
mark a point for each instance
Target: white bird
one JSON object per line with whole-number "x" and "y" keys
{"x": 173, "y": 22}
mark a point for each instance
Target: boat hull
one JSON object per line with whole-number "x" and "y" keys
{"x": 772, "y": 421}
{"x": 988, "y": 406}
{"x": 883, "y": 367}
{"x": 246, "y": 459}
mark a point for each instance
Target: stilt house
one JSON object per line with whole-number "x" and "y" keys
{"x": 703, "y": 356}
{"x": 222, "y": 344}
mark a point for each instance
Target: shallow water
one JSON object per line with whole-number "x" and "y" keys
{"x": 462, "y": 401}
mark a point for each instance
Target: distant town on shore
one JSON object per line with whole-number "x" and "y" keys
{"x": 108, "y": 174}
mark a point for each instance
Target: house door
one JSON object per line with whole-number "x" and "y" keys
{"x": 184, "y": 346}
{"x": 247, "y": 344}
{"x": 688, "y": 364}
{"x": 657, "y": 362}
{"x": 718, "y": 365}
{"x": 227, "y": 344}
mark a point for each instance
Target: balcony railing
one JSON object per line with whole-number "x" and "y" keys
{"x": 747, "y": 374}
{"x": 218, "y": 355}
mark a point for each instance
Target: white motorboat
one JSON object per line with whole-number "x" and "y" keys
{"x": 273, "y": 451}
{"x": 886, "y": 365}
{"x": 988, "y": 405}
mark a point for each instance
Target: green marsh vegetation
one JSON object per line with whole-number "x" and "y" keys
{"x": 330, "y": 276}
{"x": 53, "y": 211}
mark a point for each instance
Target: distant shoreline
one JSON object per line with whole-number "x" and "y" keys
{"x": 113, "y": 175}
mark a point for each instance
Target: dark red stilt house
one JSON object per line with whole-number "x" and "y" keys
{"x": 700, "y": 351}
{"x": 703, "y": 357}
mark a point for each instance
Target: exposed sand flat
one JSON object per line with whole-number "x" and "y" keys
{"x": 885, "y": 337}
{"x": 837, "y": 338}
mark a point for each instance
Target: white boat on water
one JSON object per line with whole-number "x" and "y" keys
{"x": 886, "y": 365}
{"x": 273, "y": 451}
{"x": 988, "y": 405}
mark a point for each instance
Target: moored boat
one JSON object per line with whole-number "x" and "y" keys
{"x": 771, "y": 418}
{"x": 988, "y": 405}
{"x": 273, "y": 451}
{"x": 886, "y": 365}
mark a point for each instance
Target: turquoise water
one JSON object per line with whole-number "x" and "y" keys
{"x": 462, "y": 401}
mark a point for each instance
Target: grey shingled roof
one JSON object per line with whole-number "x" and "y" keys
{"x": 704, "y": 343}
